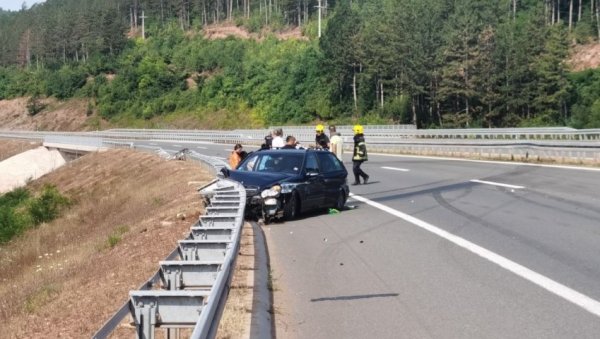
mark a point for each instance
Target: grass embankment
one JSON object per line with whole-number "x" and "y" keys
{"x": 66, "y": 277}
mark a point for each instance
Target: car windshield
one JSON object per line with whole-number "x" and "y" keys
{"x": 279, "y": 162}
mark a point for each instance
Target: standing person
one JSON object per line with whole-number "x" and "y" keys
{"x": 268, "y": 142}
{"x": 290, "y": 142}
{"x": 336, "y": 143}
{"x": 321, "y": 139}
{"x": 359, "y": 156}
{"x": 236, "y": 156}
{"x": 278, "y": 138}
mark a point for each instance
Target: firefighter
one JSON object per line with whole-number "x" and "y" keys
{"x": 321, "y": 139}
{"x": 359, "y": 156}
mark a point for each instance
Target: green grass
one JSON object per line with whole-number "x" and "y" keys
{"x": 41, "y": 297}
{"x": 115, "y": 238}
{"x": 20, "y": 210}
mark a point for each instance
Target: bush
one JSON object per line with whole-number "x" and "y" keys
{"x": 34, "y": 105}
{"x": 48, "y": 205}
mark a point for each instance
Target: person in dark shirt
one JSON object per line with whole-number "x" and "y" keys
{"x": 268, "y": 142}
{"x": 290, "y": 142}
{"x": 321, "y": 139}
{"x": 359, "y": 156}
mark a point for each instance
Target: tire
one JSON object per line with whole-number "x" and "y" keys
{"x": 340, "y": 202}
{"x": 291, "y": 208}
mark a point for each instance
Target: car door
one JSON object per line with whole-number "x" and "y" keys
{"x": 314, "y": 186}
{"x": 334, "y": 176}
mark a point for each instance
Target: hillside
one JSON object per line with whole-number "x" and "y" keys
{"x": 65, "y": 278}
{"x": 583, "y": 57}
{"x": 432, "y": 63}
{"x": 8, "y": 147}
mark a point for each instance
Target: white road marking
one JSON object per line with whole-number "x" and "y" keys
{"x": 496, "y": 184}
{"x": 567, "y": 293}
{"x": 220, "y": 158}
{"x": 201, "y": 147}
{"x": 592, "y": 169}
{"x": 153, "y": 144}
{"x": 396, "y": 169}
{"x": 177, "y": 146}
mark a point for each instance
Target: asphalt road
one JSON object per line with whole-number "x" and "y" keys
{"x": 429, "y": 253}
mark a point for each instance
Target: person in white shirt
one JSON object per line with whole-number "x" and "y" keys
{"x": 278, "y": 141}
{"x": 337, "y": 143}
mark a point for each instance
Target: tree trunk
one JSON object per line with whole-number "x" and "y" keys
{"x": 414, "y": 111}
{"x": 381, "y": 92}
{"x": 598, "y": 19}
{"x": 570, "y": 15}
{"x": 514, "y": 10}
{"x": 162, "y": 12}
{"x": 354, "y": 91}
{"x": 579, "y": 13}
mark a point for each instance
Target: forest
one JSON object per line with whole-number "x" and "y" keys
{"x": 433, "y": 63}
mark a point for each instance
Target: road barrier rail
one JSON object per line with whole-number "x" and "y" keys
{"x": 562, "y": 143}
{"x": 191, "y": 286}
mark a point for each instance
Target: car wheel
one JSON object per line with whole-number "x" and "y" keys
{"x": 290, "y": 210}
{"x": 340, "y": 201}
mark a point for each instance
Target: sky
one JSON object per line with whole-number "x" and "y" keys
{"x": 15, "y": 5}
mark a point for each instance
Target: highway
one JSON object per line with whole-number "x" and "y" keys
{"x": 438, "y": 248}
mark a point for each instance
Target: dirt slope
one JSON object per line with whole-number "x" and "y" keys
{"x": 8, "y": 147}
{"x": 65, "y": 278}
{"x": 57, "y": 116}
{"x": 584, "y": 57}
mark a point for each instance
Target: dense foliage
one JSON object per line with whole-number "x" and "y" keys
{"x": 20, "y": 210}
{"x": 436, "y": 63}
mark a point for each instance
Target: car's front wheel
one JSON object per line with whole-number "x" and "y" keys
{"x": 290, "y": 210}
{"x": 340, "y": 202}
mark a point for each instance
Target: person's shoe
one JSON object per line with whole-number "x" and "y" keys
{"x": 356, "y": 183}
{"x": 366, "y": 179}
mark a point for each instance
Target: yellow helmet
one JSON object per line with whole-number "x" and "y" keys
{"x": 320, "y": 128}
{"x": 358, "y": 129}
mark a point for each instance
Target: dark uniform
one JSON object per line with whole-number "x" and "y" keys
{"x": 359, "y": 156}
{"x": 322, "y": 141}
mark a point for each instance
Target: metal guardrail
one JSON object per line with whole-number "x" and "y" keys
{"x": 193, "y": 289}
{"x": 559, "y": 142}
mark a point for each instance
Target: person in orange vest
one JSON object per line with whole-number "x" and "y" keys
{"x": 236, "y": 156}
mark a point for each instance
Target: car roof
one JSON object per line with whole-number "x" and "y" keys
{"x": 290, "y": 150}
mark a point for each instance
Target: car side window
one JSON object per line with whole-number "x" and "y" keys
{"x": 266, "y": 163}
{"x": 248, "y": 165}
{"x": 329, "y": 162}
{"x": 311, "y": 163}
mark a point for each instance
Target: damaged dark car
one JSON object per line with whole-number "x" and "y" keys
{"x": 282, "y": 184}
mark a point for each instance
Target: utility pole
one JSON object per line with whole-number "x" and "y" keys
{"x": 143, "y": 17}
{"x": 320, "y": 7}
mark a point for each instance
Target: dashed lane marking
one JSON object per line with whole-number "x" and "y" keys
{"x": 496, "y": 184}
{"x": 396, "y": 169}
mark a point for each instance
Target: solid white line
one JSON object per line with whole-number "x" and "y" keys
{"x": 201, "y": 147}
{"x": 177, "y": 146}
{"x": 567, "y": 293}
{"x": 591, "y": 169}
{"x": 496, "y": 184}
{"x": 396, "y": 169}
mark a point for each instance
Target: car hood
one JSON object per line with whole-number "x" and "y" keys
{"x": 260, "y": 180}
